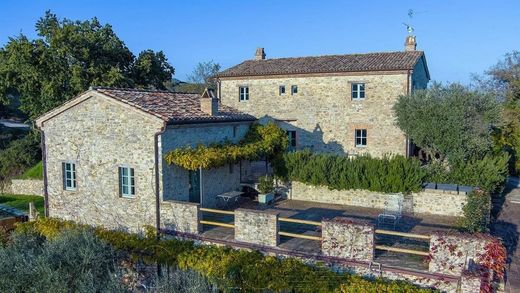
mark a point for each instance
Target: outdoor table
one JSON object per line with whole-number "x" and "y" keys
{"x": 229, "y": 197}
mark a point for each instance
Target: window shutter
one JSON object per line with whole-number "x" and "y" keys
{"x": 64, "y": 179}
{"x": 120, "y": 181}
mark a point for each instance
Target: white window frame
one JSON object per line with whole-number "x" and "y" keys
{"x": 294, "y": 89}
{"x": 69, "y": 176}
{"x": 280, "y": 90}
{"x": 362, "y": 136}
{"x": 243, "y": 93}
{"x": 128, "y": 173}
{"x": 358, "y": 91}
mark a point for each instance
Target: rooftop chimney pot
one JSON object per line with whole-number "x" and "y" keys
{"x": 410, "y": 44}
{"x": 260, "y": 54}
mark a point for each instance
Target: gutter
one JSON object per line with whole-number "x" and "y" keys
{"x": 157, "y": 178}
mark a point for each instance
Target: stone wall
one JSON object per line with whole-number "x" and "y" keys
{"x": 323, "y": 113}
{"x": 99, "y": 134}
{"x": 26, "y": 187}
{"x": 453, "y": 253}
{"x": 181, "y": 217}
{"x": 427, "y": 201}
{"x": 257, "y": 227}
{"x": 347, "y": 239}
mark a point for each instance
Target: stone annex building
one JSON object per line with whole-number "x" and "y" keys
{"x": 104, "y": 150}
{"x": 337, "y": 103}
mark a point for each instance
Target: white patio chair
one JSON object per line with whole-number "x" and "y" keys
{"x": 393, "y": 211}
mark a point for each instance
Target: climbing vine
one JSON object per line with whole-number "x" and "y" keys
{"x": 268, "y": 141}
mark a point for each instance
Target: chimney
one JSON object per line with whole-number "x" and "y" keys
{"x": 209, "y": 103}
{"x": 260, "y": 54}
{"x": 410, "y": 44}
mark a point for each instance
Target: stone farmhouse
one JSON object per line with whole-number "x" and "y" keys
{"x": 337, "y": 103}
{"x": 104, "y": 150}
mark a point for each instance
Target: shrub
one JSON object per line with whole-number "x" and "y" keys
{"x": 226, "y": 267}
{"x": 489, "y": 173}
{"x": 388, "y": 174}
{"x": 265, "y": 184}
{"x": 19, "y": 155}
{"x": 476, "y": 212}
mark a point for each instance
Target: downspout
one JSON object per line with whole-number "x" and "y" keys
{"x": 157, "y": 178}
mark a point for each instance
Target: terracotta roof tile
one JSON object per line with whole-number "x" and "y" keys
{"x": 386, "y": 61}
{"x": 174, "y": 108}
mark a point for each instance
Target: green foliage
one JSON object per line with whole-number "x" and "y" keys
{"x": 8, "y": 134}
{"x": 75, "y": 261}
{"x": 489, "y": 173}
{"x": 21, "y": 202}
{"x": 19, "y": 155}
{"x": 476, "y": 212}
{"x": 266, "y": 184}
{"x": 228, "y": 268}
{"x": 388, "y": 174}
{"x": 35, "y": 172}
{"x": 204, "y": 74}
{"x": 67, "y": 58}
{"x": 182, "y": 282}
{"x": 261, "y": 140}
{"x": 449, "y": 122}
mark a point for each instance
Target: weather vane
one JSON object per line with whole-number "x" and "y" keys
{"x": 409, "y": 28}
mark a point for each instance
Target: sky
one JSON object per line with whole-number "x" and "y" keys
{"x": 459, "y": 37}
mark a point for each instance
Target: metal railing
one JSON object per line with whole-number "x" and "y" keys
{"x": 301, "y": 236}
{"x": 218, "y": 224}
{"x": 402, "y": 234}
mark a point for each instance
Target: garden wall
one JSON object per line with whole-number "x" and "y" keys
{"x": 428, "y": 201}
{"x": 25, "y": 187}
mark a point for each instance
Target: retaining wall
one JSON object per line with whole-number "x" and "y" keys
{"x": 427, "y": 201}
{"x": 25, "y": 186}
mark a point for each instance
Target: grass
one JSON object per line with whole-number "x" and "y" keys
{"x": 21, "y": 202}
{"x": 35, "y": 172}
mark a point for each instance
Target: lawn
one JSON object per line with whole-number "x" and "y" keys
{"x": 35, "y": 172}
{"x": 21, "y": 202}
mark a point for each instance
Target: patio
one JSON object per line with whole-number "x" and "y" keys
{"x": 312, "y": 211}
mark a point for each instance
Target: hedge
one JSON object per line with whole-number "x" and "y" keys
{"x": 229, "y": 268}
{"x": 387, "y": 174}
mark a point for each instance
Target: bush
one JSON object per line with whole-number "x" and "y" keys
{"x": 476, "y": 212}
{"x": 489, "y": 173}
{"x": 228, "y": 268}
{"x": 19, "y": 155}
{"x": 388, "y": 174}
{"x": 265, "y": 184}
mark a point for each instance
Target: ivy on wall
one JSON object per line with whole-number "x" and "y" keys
{"x": 260, "y": 141}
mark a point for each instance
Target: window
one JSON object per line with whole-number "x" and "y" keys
{"x": 361, "y": 137}
{"x": 126, "y": 182}
{"x": 281, "y": 90}
{"x": 294, "y": 89}
{"x": 243, "y": 93}
{"x": 234, "y": 131}
{"x": 69, "y": 175}
{"x": 292, "y": 138}
{"x": 358, "y": 91}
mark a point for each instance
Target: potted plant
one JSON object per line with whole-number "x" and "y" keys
{"x": 265, "y": 189}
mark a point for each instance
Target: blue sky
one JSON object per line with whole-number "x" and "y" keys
{"x": 459, "y": 37}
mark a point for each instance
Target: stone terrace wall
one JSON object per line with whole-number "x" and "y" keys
{"x": 257, "y": 227}
{"x": 348, "y": 239}
{"x": 181, "y": 216}
{"x": 26, "y": 187}
{"x": 427, "y": 201}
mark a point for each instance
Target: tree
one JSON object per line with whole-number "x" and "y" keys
{"x": 204, "y": 73}
{"x": 67, "y": 58}
{"x": 450, "y": 123}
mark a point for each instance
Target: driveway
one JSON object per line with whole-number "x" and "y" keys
{"x": 507, "y": 226}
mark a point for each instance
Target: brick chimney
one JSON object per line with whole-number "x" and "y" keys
{"x": 410, "y": 44}
{"x": 209, "y": 103}
{"x": 260, "y": 54}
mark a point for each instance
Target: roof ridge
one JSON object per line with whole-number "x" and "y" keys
{"x": 138, "y": 90}
{"x": 338, "y": 55}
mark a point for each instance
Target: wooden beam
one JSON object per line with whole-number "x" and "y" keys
{"x": 302, "y": 236}
{"x": 402, "y": 250}
{"x": 225, "y": 225}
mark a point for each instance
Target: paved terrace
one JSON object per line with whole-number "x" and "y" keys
{"x": 302, "y": 210}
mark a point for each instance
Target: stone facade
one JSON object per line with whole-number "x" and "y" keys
{"x": 427, "y": 201}
{"x": 257, "y": 227}
{"x": 323, "y": 113}
{"x": 347, "y": 239}
{"x": 181, "y": 217}
{"x": 453, "y": 253}
{"x": 26, "y": 187}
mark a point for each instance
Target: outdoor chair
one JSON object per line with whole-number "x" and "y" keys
{"x": 393, "y": 211}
